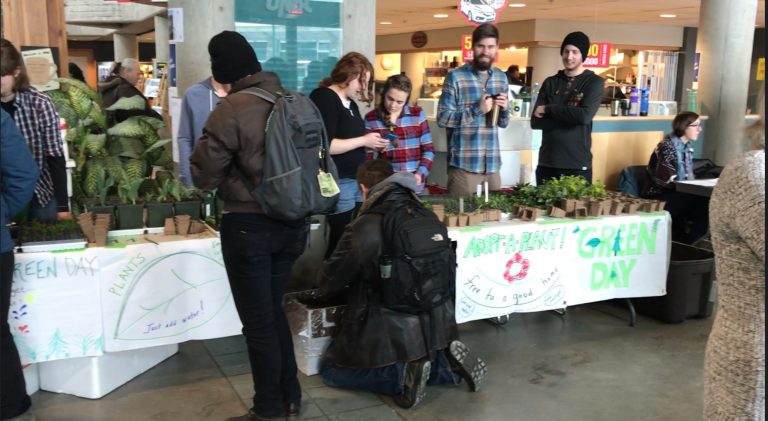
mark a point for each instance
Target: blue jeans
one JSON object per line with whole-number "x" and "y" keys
{"x": 387, "y": 380}
{"x": 258, "y": 255}
{"x": 349, "y": 195}
{"x": 38, "y": 212}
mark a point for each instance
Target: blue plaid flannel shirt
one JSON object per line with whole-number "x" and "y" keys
{"x": 471, "y": 146}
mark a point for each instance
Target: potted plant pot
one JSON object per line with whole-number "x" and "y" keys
{"x": 130, "y": 216}
{"x": 157, "y": 212}
{"x": 188, "y": 207}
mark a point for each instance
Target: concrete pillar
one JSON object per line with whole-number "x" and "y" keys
{"x": 359, "y": 33}
{"x": 546, "y": 61}
{"x": 161, "y": 39}
{"x": 202, "y": 20}
{"x": 126, "y": 46}
{"x": 413, "y": 66}
{"x": 726, "y": 30}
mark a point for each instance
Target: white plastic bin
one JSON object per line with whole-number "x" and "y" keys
{"x": 94, "y": 377}
{"x": 31, "y": 378}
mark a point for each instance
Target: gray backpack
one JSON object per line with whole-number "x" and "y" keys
{"x": 296, "y": 151}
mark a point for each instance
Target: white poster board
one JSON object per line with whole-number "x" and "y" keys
{"x": 165, "y": 293}
{"x": 551, "y": 264}
{"x": 55, "y": 311}
{"x": 41, "y": 69}
{"x": 175, "y": 25}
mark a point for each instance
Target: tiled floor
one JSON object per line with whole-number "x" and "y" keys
{"x": 586, "y": 365}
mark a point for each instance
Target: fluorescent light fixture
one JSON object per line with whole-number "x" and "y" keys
{"x": 385, "y": 23}
{"x": 517, "y": 5}
{"x": 667, "y": 15}
{"x": 440, "y": 16}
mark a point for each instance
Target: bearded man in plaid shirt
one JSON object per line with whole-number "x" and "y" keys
{"x": 469, "y": 94}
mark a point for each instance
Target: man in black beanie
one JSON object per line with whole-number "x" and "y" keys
{"x": 564, "y": 109}
{"x": 258, "y": 251}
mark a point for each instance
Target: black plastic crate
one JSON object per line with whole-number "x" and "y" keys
{"x": 689, "y": 285}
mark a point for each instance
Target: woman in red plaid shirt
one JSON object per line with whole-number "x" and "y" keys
{"x": 410, "y": 147}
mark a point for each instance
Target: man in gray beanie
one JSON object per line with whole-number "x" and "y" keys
{"x": 258, "y": 251}
{"x": 564, "y": 109}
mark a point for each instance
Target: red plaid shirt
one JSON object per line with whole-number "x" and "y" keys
{"x": 413, "y": 150}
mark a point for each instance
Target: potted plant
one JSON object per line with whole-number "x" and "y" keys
{"x": 188, "y": 201}
{"x": 159, "y": 205}
{"x": 130, "y": 215}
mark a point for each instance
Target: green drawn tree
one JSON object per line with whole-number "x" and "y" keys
{"x": 57, "y": 346}
{"x": 617, "y": 243}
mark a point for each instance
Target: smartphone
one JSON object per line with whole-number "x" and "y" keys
{"x": 390, "y": 137}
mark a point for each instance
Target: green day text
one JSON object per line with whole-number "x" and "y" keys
{"x": 545, "y": 239}
{"x": 612, "y": 248}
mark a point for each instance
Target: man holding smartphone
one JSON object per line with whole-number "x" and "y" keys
{"x": 472, "y": 108}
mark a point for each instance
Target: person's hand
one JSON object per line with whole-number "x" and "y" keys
{"x": 419, "y": 178}
{"x": 375, "y": 141}
{"x": 501, "y": 101}
{"x": 64, "y": 216}
{"x": 539, "y": 111}
{"x": 486, "y": 103}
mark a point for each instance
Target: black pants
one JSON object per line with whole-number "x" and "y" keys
{"x": 545, "y": 173}
{"x": 14, "y": 400}
{"x": 336, "y": 225}
{"x": 690, "y": 215}
{"x": 258, "y": 254}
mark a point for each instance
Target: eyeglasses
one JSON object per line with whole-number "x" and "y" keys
{"x": 695, "y": 125}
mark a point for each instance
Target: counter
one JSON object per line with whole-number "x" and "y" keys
{"x": 617, "y": 142}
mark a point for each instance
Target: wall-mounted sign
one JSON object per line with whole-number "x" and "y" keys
{"x": 760, "y": 74}
{"x": 466, "y": 48}
{"x": 42, "y": 70}
{"x": 419, "y": 39}
{"x": 599, "y": 55}
{"x": 477, "y": 12}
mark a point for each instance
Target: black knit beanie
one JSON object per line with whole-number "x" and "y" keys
{"x": 579, "y": 40}
{"x": 232, "y": 58}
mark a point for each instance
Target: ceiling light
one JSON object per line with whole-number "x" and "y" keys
{"x": 667, "y": 15}
{"x": 517, "y": 5}
{"x": 440, "y": 16}
{"x": 385, "y": 23}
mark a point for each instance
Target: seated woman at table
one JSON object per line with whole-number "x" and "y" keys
{"x": 671, "y": 161}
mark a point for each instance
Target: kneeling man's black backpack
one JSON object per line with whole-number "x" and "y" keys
{"x": 423, "y": 262}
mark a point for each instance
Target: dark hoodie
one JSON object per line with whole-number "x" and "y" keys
{"x": 372, "y": 335}
{"x": 567, "y": 123}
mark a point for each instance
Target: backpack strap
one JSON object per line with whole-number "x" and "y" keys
{"x": 261, "y": 93}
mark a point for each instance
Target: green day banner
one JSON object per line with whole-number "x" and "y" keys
{"x": 55, "y": 311}
{"x": 158, "y": 294}
{"x": 514, "y": 266}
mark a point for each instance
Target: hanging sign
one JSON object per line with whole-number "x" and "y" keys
{"x": 599, "y": 55}
{"x": 466, "y": 48}
{"x": 478, "y": 12}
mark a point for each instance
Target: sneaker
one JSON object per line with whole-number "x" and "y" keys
{"x": 471, "y": 368}
{"x": 415, "y": 387}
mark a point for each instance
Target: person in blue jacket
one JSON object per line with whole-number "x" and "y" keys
{"x": 19, "y": 174}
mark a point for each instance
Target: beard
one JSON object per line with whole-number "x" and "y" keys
{"x": 482, "y": 66}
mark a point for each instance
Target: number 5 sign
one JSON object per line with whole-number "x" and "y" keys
{"x": 599, "y": 55}
{"x": 466, "y": 48}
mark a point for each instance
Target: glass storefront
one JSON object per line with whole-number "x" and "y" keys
{"x": 300, "y": 40}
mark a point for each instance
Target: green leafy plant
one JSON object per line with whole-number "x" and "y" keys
{"x": 103, "y": 183}
{"x": 169, "y": 189}
{"x": 128, "y": 189}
